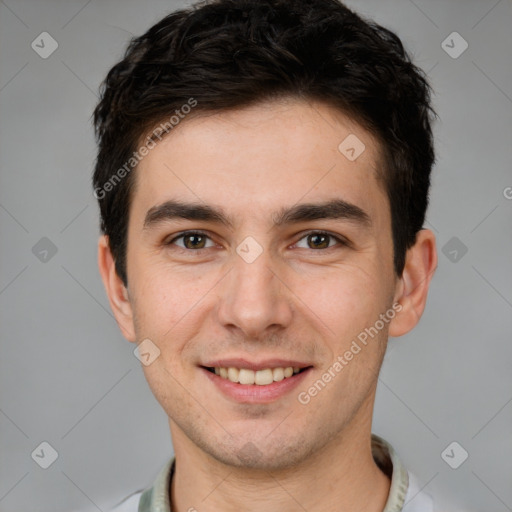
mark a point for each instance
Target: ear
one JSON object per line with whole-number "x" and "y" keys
{"x": 116, "y": 291}
{"x": 412, "y": 287}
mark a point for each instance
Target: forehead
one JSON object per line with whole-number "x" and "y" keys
{"x": 255, "y": 160}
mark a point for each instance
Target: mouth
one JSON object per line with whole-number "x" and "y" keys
{"x": 263, "y": 383}
{"x": 263, "y": 377}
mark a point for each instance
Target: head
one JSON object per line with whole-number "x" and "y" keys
{"x": 294, "y": 138}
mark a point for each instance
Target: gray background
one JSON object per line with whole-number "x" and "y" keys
{"x": 68, "y": 377}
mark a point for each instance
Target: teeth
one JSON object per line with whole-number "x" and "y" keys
{"x": 278, "y": 374}
{"x": 263, "y": 377}
{"x": 245, "y": 376}
{"x": 233, "y": 374}
{"x": 260, "y": 377}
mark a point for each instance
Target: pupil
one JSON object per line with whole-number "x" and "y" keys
{"x": 194, "y": 237}
{"x": 316, "y": 239}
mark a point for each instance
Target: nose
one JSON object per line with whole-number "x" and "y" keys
{"x": 255, "y": 298}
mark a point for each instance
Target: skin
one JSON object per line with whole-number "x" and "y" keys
{"x": 294, "y": 301}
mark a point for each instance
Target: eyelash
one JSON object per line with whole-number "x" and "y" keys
{"x": 340, "y": 241}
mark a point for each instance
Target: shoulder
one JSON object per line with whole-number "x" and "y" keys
{"x": 417, "y": 500}
{"x": 405, "y": 493}
{"x": 155, "y": 497}
{"x": 129, "y": 504}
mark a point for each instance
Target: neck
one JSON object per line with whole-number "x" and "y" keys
{"x": 342, "y": 476}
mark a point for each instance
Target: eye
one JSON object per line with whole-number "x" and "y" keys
{"x": 197, "y": 240}
{"x": 321, "y": 239}
{"x": 194, "y": 240}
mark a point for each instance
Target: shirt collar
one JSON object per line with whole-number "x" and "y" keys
{"x": 156, "y": 498}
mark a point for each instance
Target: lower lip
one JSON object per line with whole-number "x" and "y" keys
{"x": 253, "y": 393}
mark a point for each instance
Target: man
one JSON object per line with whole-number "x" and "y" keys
{"x": 263, "y": 176}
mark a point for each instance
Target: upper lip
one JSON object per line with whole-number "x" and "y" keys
{"x": 240, "y": 362}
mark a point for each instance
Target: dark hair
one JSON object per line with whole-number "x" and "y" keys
{"x": 227, "y": 54}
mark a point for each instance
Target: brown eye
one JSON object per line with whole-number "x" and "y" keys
{"x": 194, "y": 241}
{"x": 318, "y": 241}
{"x": 191, "y": 240}
{"x": 321, "y": 240}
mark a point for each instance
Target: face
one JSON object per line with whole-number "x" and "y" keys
{"x": 265, "y": 280}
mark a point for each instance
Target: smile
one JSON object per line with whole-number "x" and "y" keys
{"x": 246, "y": 376}
{"x": 265, "y": 383}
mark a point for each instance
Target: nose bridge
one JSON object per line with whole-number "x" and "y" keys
{"x": 253, "y": 298}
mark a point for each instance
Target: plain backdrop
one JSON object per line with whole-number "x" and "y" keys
{"x": 67, "y": 376}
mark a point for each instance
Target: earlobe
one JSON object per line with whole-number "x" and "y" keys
{"x": 412, "y": 288}
{"x": 116, "y": 291}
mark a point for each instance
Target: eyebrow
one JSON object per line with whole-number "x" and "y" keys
{"x": 334, "y": 209}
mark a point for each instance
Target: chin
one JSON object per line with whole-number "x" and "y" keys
{"x": 262, "y": 454}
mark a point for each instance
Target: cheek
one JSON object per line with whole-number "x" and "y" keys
{"x": 165, "y": 299}
{"x": 166, "y": 312}
{"x": 345, "y": 298}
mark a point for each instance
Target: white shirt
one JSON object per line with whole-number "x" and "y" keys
{"x": 404, "y": 494}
